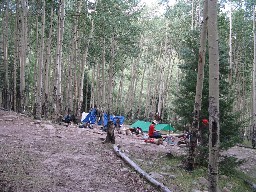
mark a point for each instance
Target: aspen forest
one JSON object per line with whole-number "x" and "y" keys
{"x": 185, "y": 60}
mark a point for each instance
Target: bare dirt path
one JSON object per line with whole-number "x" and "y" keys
{"x": 45, "y": 157}
{"x": 41, "y": 156}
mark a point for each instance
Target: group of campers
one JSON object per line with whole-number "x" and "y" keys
{"x": 115, "y": 124}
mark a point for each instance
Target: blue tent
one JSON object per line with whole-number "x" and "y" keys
{"x": 91, "y": 118}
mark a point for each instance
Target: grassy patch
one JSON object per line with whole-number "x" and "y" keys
{"x": 168, "y": 165}
{"x": 247, "y": 143}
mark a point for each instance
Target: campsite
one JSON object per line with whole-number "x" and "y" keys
{"x": 52, "y": 157}
{"x": 127, "y": 95}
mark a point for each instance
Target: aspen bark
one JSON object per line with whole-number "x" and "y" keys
{"x": 214, "y": 125}
{"x": 130, "y": 95}
{"x": 192, "y": 14}
{"x": 86, "y": 96}
{"x": 40, "y": 66}
{"x": 22, "y": 27}
{"x": 160, "y": 90}
{"x": 6, "y": 87}
{"x": 97, "y": 82}
{"x": 119, "y": 94}
{"x": 36, "y": 66}
{"x": 254, "y": 75}
{"x": 84, "y": 63}
{"x": 141, "y": 90}
{"x": 199, "y": 90}
{"x": 92, "y": 101}
{"x": 230, "y": 45}
{"x": 46, "y": 95}
{"x": 58, "y": 65}
{"x": 111, "y": 74}
{"x": 16, "y": 44}
{"x": 147, "y": 101}
{"x": 103, "y": 74}
{"x": 75, "y": 61}
{"x": 70, "y": 90}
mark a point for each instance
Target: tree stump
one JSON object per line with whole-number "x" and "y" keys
{"x": 110, "y": 138}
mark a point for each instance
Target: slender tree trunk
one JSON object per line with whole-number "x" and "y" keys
{"x": 214, "y": 125}
{"x": 103, "y": 74}
{"x": 199, "y": 90}
{"x": 192, "y": 14}
{"x": 167, "y": 86}
{"x": 92, "y": 100}
{"x": 230, "y": 45}
{"x": 147, "y": 101}
{"x": 35, "y": 91}
{"x": 119, "y": 94}
{"x": 81, "y": 87}
{"x": 141, "y": 90}
{"x": 6, "y": 90}
{"x": 130, "y": 95}
{"x": 46, "y": 99}
{"x": 57, "y": 89}
{"x": 75, "y": 60}
{"x": 15, "y": 62}
{"x": 25, "y": 30}
{"x": 254, "y": 75}
{"x": 160, "y": 90}
{"x": 86, "y": 96}
{"x": 66, "y": 100}
{"x": 22, "y": 12}
{"x": 70, "y": 104}
{"x": 40, "y": 66}
{"x": 111, "y": 75}
{"x": 97, "y": 90}
{"x": 84, "y": 63}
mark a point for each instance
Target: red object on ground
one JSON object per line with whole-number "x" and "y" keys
{"x": 150, "y": 140}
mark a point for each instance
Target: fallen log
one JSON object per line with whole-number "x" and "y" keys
{"x": 140, "y": 171}
{"x": 251, "y": 185}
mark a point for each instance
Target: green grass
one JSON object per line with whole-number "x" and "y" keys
{"x": 230, "y": 177}
{"x": 247, "y": 143}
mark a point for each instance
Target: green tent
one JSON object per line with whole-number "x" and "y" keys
{"x": 145, "y": 125}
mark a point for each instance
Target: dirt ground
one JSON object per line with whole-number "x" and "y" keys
{"x": 41, "y": 156}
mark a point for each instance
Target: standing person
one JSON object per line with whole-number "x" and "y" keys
{"x": 158, "y": 118}
{"x": 152, "y": 133}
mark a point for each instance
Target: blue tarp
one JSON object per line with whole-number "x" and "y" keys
{"x": 91, "y": 118}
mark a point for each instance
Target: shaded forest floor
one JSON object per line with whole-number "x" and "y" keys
{"x": 41, "y": 156}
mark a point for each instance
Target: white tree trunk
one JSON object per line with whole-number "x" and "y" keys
{"x": 214, "y": 125}
{"x": 22, "y": 50}
{"x": 6, "y": 91}
{"x": 199, "y": 89}
{"x": 16, "y": 47}
{"x": 111, "y": 74}
{"x": 46, "y": 95}
{"x": 103, "y": 74}
{"x": 58, "y": 70}
{"x": 230, "y": 44}
{"x": 192, "y": 14}
{"x": 40, "y": 66}
{"x": 254, "y": 74}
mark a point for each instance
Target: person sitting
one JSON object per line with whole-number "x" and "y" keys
{"x": 152, "y": 133}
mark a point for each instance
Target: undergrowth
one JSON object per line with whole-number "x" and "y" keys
{"x": 230, "y": 177}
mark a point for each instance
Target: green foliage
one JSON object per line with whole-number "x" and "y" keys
{"x": 228, "y": 165}
{"x": 184, "y": 103}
